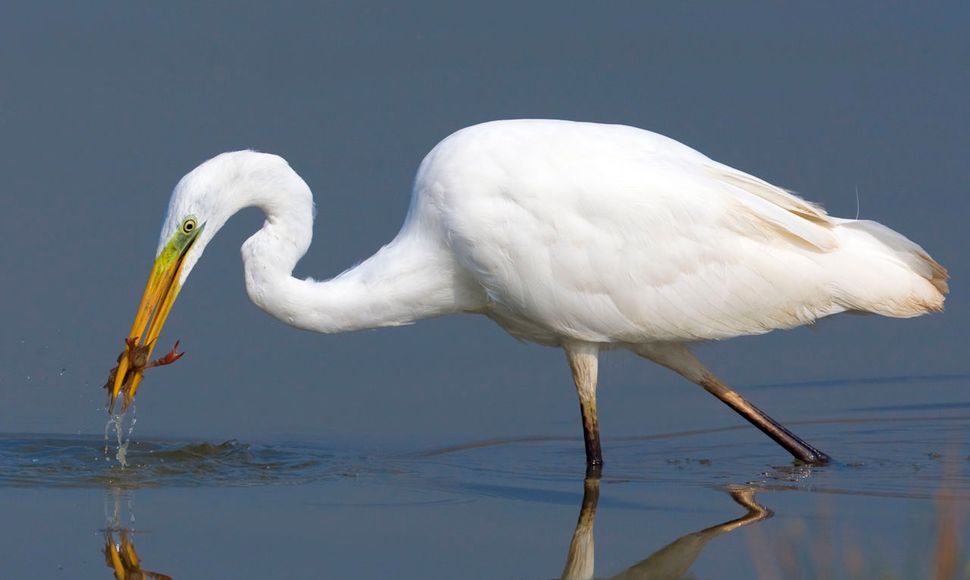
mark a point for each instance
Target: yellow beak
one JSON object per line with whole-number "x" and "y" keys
{"x": 156, "y": 302}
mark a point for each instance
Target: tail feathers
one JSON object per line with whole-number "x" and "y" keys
{"x": 884, "y": 272}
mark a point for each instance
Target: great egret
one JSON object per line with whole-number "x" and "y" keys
{"x": 574, "y": 235}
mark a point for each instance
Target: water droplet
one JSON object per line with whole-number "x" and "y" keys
{"x": 62, "y": 372}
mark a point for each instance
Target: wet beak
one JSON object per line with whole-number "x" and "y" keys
{"x": 156, "y": 302}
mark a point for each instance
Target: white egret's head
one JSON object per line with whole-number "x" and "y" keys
{"x": 200, "y": 205}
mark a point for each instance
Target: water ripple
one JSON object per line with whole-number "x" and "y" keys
{"x": 914, "y": 457}
{"x": 60, "y": 461}
{"x": 917, "y": 457}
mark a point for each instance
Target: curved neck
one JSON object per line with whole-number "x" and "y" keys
{"x": 411, "y": 278}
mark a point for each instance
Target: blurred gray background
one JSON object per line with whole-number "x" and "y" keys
{"x": 104, "y": 106}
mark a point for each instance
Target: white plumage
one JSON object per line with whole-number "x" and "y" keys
{"x": 578, "y": 235}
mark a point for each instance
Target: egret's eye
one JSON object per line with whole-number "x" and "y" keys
{"x": 188, "y": 225}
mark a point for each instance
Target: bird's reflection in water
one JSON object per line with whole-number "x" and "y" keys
{"x": 668, "y": 563}
{"x": 119, "y": 547}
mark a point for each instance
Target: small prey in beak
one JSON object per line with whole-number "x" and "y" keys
{"x": 137, "y": 363}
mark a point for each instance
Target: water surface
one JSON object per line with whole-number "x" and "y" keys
{"x": 706, "y": 503}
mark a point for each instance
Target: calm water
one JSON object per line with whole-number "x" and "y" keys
{"x": 716, "y": 503}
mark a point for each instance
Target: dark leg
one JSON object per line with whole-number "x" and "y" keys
{"x": 591, "y": 434}
{"x": 583, "y": 363}
{"x": 782, "y": 436}
{"x": 677, "y": 358}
